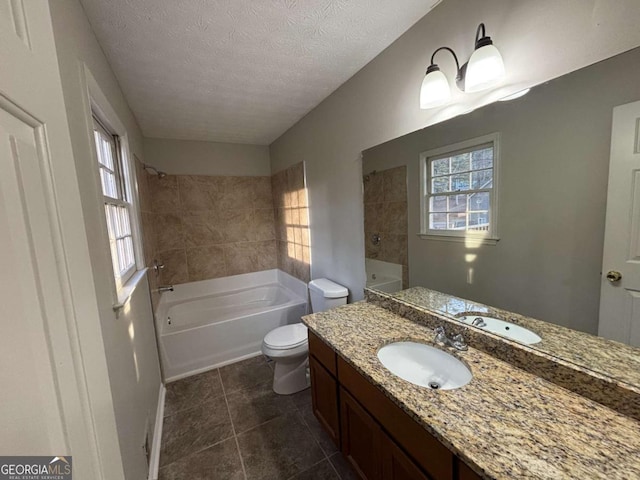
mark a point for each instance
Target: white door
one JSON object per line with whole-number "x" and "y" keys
{"x": 45, "y": 410}
{"x": 620, "y": 292}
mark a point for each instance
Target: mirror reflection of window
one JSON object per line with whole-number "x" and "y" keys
{"x": 459, "y": 189}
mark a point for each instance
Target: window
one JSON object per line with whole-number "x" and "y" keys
{"x": 459, "y": 190}
{"x": 117, "y": 201}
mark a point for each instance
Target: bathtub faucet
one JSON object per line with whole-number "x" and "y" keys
{"x": 165, "y": 288}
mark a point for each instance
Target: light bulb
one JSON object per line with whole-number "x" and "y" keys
{"x": 485, "y": 69}
{"x": 435, "y": 90}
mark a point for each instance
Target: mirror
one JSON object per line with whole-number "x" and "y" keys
{"x": 505, "y": 206}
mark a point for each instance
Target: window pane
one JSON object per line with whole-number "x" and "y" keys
{"x": 481, "y": 179}
{"x": 125, "y": 223}
{"x": 440, "y": 167}
{"x": 482, "y": 158}
{"x": 479, "y": 201}
{"x": 458, "y": 203}
{"x": 457, "y": 221}
{"x": 460, "y": 163}
{"x": 108, "y": 212}
{"x": 460, "y": 182}
{"x": 108, "y": 180}
{"x": 438, "y": 221}
{"x": 438, "y": 204}
{"x": 105, "y": 153}
{"x": 479, "y": 221}
{"x": 440, "y": 184}
{"x": 129, "y": 258}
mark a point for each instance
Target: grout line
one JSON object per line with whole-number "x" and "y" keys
{"x": 312, "y": 466}
{"x": 333, "y": 466}
{"x": 326, "y": 456}
{"x": 233, "y": 427}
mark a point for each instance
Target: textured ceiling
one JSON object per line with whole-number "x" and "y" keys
{"x": 240, "y": 71}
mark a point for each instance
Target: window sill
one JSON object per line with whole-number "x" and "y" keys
{"x": 469, "y": 241}
{"x": 124, "y": 293}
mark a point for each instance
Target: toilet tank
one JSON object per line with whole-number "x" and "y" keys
{"x": 326, "y": 294}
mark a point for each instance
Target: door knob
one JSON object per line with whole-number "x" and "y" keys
{"x": 614, "y": 276}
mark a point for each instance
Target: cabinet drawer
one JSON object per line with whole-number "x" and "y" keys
{"x": 323, "y": 353}
{"x": 433, "y": 457}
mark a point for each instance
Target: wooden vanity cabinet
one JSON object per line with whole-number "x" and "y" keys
{"x": 324, "y": 399}
{"x": 378, "y": 439}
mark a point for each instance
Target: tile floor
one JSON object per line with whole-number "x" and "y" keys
{"x": 228, "y": 424}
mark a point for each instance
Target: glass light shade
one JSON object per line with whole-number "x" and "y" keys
{"x": 435, "y": 90}
{"x": 485, "y": 69}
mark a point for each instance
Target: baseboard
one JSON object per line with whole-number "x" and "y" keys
{"x": 154, "y": 459}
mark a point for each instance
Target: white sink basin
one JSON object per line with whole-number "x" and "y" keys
{"x": 424, "y": 365}
{"x": 506, "y": 329}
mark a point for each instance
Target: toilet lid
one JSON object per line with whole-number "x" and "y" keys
{"x": 288, "y": 336}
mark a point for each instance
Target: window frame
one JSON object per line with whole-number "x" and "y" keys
{"x": 124, "y": 199}
{"x": 490, "y": 237}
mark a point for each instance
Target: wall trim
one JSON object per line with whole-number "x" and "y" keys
{"x": 154, "y": 458}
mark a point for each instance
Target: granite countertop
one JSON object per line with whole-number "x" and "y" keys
{"x": 506, "y": 423}
{"x": 607, "y": 357}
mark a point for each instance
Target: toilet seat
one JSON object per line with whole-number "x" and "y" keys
{"x": 287, "y": 337}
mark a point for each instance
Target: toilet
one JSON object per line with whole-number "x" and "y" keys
{"x": 288, "y": 345}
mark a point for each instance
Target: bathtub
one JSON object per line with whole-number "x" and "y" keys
{"x": 208, "y": 324}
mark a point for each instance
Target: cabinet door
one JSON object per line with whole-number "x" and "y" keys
{"x": 465, "y": 473}
{"x": 396, "y": 465}
{"x": 324, "y": 398}
{"x": 361, "y": 438}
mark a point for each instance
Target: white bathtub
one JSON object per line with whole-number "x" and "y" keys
{"x": 208, "y": 324}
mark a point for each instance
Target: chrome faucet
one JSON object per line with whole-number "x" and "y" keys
{"x": 457, "y": 341}
{"x": 479, "y": 322}
{"x": 165, "y": 288}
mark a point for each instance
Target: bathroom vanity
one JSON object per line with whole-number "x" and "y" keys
{"x": 505, "y": 423}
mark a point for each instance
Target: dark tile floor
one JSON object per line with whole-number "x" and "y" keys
{"x": 228, "y": 424}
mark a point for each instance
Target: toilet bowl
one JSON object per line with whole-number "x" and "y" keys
{"x": 288, "y": 345}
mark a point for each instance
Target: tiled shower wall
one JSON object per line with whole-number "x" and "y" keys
{"x": 292, "y": 221}
{"x": 385, "y": 214}
{"x": 203, "y": 227}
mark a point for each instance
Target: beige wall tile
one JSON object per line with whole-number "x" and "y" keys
{"x": 164, "y": 194}
{"x": 205, "y": 262}
{"x": 373, "y": 217}
{"x": 168, "y": 232}
{"x": 237, "y": 225}
{"x": 264, "y": 226}
{"x": 371, "y": 250}
{"x": 395, "y": 184}
{"x": 175, "y": 267}
{"x": 262, "y": 194}
{"x": 374, "y": 188}
{"x": 212, "y": 226}
{"x": 395, "y": 218}
{"x": 394, "y": 249}
{"x": 278, "y": 188}
{"x": 250, "y": 257}
{"x": 237, "y": 193}
{"x": 148, "y": 237}
{"x": 203, "y": 228}
{"x": 197, "y": 196}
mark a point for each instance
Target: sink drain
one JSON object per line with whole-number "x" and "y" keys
{"x": 434, "y": 385}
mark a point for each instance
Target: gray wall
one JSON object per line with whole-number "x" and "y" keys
{"x": 554, "y": 159}
{"x": 187, "y": 157}
{"x": 129, "y": 340}
{"x": 539, "y": 40}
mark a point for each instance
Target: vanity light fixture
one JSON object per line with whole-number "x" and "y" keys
{"x": 484, "y": 69}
